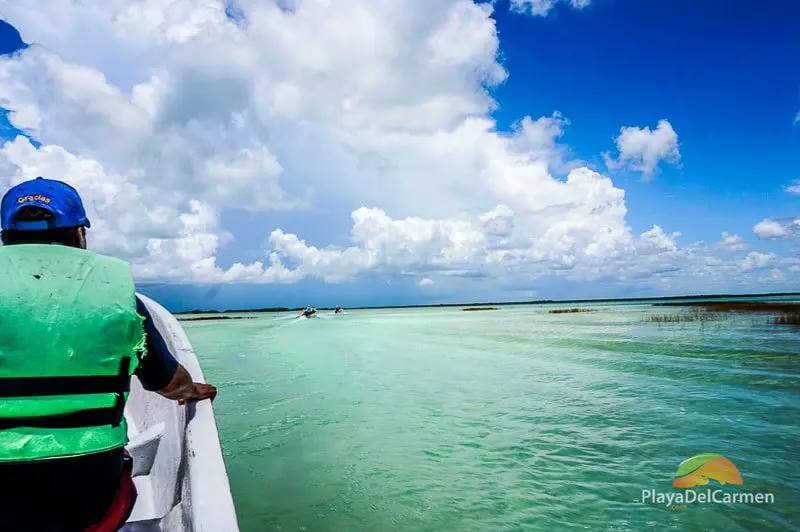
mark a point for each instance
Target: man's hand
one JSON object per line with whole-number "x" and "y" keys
{"x": 182, "y": 389}
{"x": 201, "y": 391}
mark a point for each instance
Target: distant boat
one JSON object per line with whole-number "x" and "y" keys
{"x": 178, "y": 468}
{"x": 309, "y": 312}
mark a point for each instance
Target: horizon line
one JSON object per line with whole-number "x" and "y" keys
{"x": 504, "y": 303}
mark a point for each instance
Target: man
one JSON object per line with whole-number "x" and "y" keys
{"x": 72, "y": 332}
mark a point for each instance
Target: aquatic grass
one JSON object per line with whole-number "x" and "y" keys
{"x": 790, "y": 318}
{"x": 217, "y": 318}
{"x": 738, "y": 306}
{"x": 686, "y": 317}
{"x": 778, "y": 313}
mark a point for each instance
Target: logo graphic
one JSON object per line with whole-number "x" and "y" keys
{"x": 701, "y": 469}
{"x": 698, "y": 472}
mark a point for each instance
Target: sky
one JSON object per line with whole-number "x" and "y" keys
{"x": 378, "y": 152}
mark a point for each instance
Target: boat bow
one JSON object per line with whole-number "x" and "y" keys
{"x": 178, "y": 470}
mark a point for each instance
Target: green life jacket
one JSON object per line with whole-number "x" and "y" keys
{"x": 70, "y": 338}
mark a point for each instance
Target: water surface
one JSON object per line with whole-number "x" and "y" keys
{"x": 514, "y": 419}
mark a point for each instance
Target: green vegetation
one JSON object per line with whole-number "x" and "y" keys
{"x": 738, "y": 306}
{"x": 215, "y": 318}
{"x": 472, "y": 309}
{"x": 687, "y": 301}
{"x": 571, "y": 310}
{"x": 790, "y": 318}
{"x": 228, "y": 311}
{"x": 784, "y": 313}
{"x": 686, "y": 317}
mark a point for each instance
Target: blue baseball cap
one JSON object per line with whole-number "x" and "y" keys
{"x": 57, "y": 197}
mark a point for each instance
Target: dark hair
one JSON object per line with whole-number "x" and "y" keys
{"x": 66, "y": 236}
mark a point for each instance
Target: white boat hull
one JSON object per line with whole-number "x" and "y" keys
{"x": 178, "y": 467}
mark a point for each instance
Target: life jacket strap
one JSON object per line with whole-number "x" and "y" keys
{"x": 49, "y": 386}
{"x": 83, "y": 418}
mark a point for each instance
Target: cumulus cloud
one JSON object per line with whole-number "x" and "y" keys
{"x": 233, "y": 116}
{"x": 167, "y": 115}
{"x": 777, "y": 228}
{"x": 732, "y": 242}
{"x": 488, "y": 245}
{"x": 659, "y": 239}
{"x": 426, "y": 281}
{"x": 543, "y": 7}
{"x": 775, "y": 276}
{"x": 642, "y": 149}
{"x": 756, "y": 261}
{"x": 793, "y": 188}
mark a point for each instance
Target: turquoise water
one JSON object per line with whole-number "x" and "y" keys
{"x": 515, "y": 419}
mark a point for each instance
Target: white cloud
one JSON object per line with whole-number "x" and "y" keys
{"x": 642, "y": 149}
{"x": 425, "y": 281}
{"x": 793, "y": 187}
{"x": 543, "y": 7}
{"x": 659, "y": 239}
{"x": 775, "y": 276}
{"x": 166, "y": 115}
{"x": 770, "y": 229}
{"x": 797, "y": 118}
{"x": 732, "y": 242}
{"x": 190, "y": 128}
{"x": 756, "y": 261}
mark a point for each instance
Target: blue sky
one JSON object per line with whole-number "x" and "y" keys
{"x": 724, "y": 74}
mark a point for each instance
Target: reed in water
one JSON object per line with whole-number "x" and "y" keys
{"x": 738, "y": 306}
{"x": 783, "y": 313}
{"x": 791, "y": 318}
{"x": 686, "y": 317}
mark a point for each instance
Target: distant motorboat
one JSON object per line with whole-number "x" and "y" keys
{"x": 309, "y": 312}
